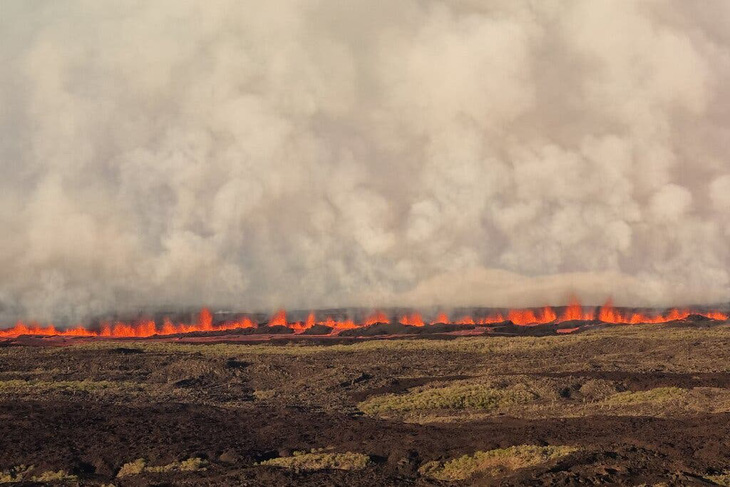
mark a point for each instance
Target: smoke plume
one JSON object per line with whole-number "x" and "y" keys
{"x": 317, "y": 153}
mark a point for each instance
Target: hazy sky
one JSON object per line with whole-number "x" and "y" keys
{"x": 327, "y": 152}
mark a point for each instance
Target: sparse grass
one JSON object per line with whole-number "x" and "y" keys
{"x": 720, "y": 479}
{"x": 467, "y": 344}
{"x": 14, "y": 474}
{"x": 480, "y": 377}
{"x": 86, "y": 386}
{"x": 460, "y": 396}
{"x": 302, "y": 461}
{"x": 189, "y": 465}
{"x": 613, "y": 348}
{"x": 132, "y": 468}
{"x": 479, "y": 345}
{"x": 140, "y": 466}
{"x": 60, "y": 475}
{"x": 540, "y": 397}
{"x": 652, "y": 396}
{"x": 264, "y": 394}
{"x": 21, "y": 473}
{"x": 494, "y": 462}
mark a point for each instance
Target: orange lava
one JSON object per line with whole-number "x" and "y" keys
{"x": 521, "y": 317}
{"x": 413, "y": 319}
{"x": 440, "y": 318}
{"x": 279, "y": 319}
{"x": 376, "y": 317}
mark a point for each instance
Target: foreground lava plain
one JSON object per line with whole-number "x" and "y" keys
{"x": 629, "y": 405}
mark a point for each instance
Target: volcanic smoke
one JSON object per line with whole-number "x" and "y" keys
{"x": 522, "y": 317}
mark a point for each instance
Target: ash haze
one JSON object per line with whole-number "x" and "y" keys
{"x": 339, "y": 153}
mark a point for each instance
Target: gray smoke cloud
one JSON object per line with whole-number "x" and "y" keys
{"x": 334, "y": 153}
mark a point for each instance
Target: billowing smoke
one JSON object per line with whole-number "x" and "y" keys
{"x": 333, "y": 153}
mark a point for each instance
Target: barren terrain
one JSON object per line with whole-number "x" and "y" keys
{"x": 629, "y": 405}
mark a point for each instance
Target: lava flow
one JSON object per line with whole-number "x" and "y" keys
{"x": 574, "y": 312}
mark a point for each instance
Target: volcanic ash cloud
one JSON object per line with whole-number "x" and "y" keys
{"x": 307, "y": 154}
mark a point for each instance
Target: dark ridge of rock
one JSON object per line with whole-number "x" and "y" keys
{"x": 576, "y": 324}
{"x": 318, "y": 330}
{"x": 443, "y": 328}
{"x": 509, "y": 328}
{"x": 271, "y": 330}
{"x": 400, "y": 329}
{"x": 379, "y": 329}
{"x": 261, "y": 330}
{"x": 699, "y": 319}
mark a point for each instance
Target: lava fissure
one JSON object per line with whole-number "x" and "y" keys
{"x": 522, "y": 317}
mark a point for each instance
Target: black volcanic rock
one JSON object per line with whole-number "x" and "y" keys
{"x": 272, "y": 330}
{"x": 318, "y": 330}
{"x": 379, "y": 329}
{"x": 442, "y": 328}
{"x": 399, "y": 329}
{"x": 696, "y": 321}
{"x": 261, "y": 330}
{"x": 509, "y": 328}
{"x": 576, "y": 324}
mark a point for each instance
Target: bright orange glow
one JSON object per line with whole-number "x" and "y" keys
{"x": 310, "y": 321}
{"x": 574, "y": 312}
{"x": 346, "y": 325}
{"x": 413, "y": 319}
{"x": 205, "y": 319}
{"x": 376, "y": 317}
{"x": 715, "y": 315}
{"x": 466, "y": 320}
{"x": 244, "y": 322}
{"x": 548, "y": 315}
{"x": 328, "y": 322}
{"x": 523, "y": 317}
{"x": 440, "y": 318}
{"x": 491, "y": 319}
{"x": 279, "y": 319}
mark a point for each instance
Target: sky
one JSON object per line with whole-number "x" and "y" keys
{"x": 320, "y": 153}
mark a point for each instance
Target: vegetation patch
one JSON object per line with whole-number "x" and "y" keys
{"x": 21, "y": 473}
{"x": 51, "y": 476}
{"x": 14, "y": 474}
{"x": 264, "y": 394}
{"x": 140, "y": 466}
{"x": 494, "y": 462}
{"x": 720, "y": 479}
{"x": 652, "y": 396}
{"x": 43, "y": 386}
{"x": 317, "y": 460}
{"x": 460, "y": 396}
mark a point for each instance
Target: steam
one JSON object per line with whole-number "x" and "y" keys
{"x": 327, "y": 153}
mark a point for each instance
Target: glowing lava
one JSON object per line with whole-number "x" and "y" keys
{"x": 521, "y": 317}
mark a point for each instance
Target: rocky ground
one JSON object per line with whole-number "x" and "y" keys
{"x": 628, "y": 405}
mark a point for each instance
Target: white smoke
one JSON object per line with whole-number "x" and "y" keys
{"x": 334, "y": 153}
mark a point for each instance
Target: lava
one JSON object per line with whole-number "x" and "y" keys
{"x": 413, "y": 319}
{"x": 376, "y": 317}
{"x": 205, "y": 322}
{"x": 440, "y": 318}
{"x": 279, "y": 319}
